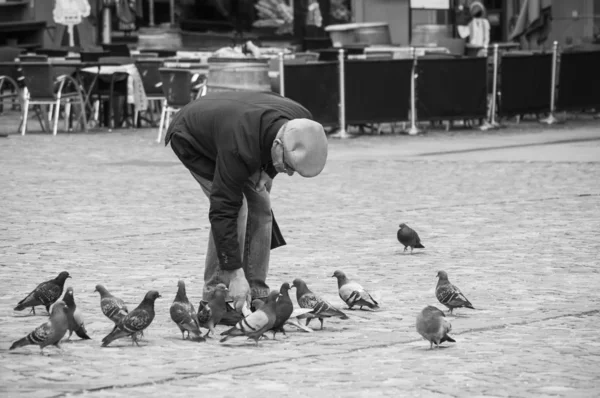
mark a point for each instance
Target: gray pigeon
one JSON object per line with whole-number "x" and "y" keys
{"x": 256, "y": 323}
{"x": 46, "y": 293}
{"x": 433, "y": 326}
{"x": 450, "y": 295}
{"x": 74, "y": 317}
{"x": 112, "y": 307}
{"x": 212, "y": 312}
{"x": 409, "y": 238}
{"x": 50, "y": 333}
{"x": 352, "y": 293}
{"x": 134, "y": 322}
{"x": 321, "y": 308}
{"x": 184, "y": 315}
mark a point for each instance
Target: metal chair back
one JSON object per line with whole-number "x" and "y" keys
{"x": 150, "y": 76}
{"x": 162, "y": 53}
{"x": 52, "y": 52}
{"x": 92, "y": 56}
{"x": 33, "y": 58}
{"x": 39, "y": 80}
{"x": 176, "y": 86}
{"x": 116, "y": 60}
{"x": 117, "y": 50}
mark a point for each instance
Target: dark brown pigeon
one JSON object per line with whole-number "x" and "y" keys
{"x": 184, "y": 315}
{"x": 433, "y": 326}
{"x": 134, "y": 322}
{"x": 409, "y": 238}
{"x": 257, "y": 323}
{"x": 283, "y": 309}
{"x": 352, "y": 293}
{"x": 74, "y": 317}
{"x": 50, "y": 333}
{"x": 321, "y": 308}
{"x": 450, "y": 295}
{"x": 211, "y": 313}
{"x": 46, "y": 293}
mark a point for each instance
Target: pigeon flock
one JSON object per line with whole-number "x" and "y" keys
{"x": 268, "y": 316}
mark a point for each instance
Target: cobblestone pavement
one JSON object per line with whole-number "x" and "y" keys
{"x": 511, "y": 215}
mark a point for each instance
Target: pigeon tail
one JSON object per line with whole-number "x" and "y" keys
{"x": 21, "y": 306}
{"x": 82, "y": 333}
{"x": 419, "y": 246}
{"x": 20, "y": 343}
{"x": 112, "y": 336}
{"x": 447, "y": 338}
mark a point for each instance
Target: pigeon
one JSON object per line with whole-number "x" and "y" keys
{"x": 134, "y": 322}
{"x": 321, "y": 308}
{"x": 46, "y": 293}
{"x": 283, "y": 309}
{"x": 112, "y": 307}
{"x": 211, "y": 313}
{"x": 291, "y": 320}
{"x": 49, "y": 333}
{"x": 433, "y": 326}
{"x": 74, "y": 318}
{"x": 352, "y": 293}
{"x": 409, "y": 237}
{"x": 450, "y": 295}
{"x": 184, "y": 315}
{"x": 257, "y": 323}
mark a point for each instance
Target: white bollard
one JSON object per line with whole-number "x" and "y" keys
{"x": 551, "y": 119}
{"x": 413, "y": 129}
{"x": 281, "y": 77}
{"x": 342, "y": 133}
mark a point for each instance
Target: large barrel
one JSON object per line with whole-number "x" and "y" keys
{"x": 423, "y": 35}
{"x": 243, "y": 74}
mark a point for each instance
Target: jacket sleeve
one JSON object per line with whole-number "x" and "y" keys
{"x": 270, "y": 170}
{"x": 226, "y": 199}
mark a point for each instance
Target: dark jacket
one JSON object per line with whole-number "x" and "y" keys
{"x": 230, "y": 135}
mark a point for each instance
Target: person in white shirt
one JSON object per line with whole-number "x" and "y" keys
{"x": 479, "y": 27}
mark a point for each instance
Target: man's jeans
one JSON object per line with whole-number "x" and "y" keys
{"x": 254, "y": 237}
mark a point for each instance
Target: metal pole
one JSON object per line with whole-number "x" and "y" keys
{"x": 495, "y": 87}
{"x": 106, "y": 26}
{"x": 551, "y": 119}
{"x": 281, "y": 77}
{"x": 151, "y": 12}
{"x": 342, "y": 133}
{"x": 491, "y": 123}
{"x": 414, "y": 129}
{"x": 172, "y": 6}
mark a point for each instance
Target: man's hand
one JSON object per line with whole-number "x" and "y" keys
{"x": 264, "y": 182}
{"x": 239, "y": 290}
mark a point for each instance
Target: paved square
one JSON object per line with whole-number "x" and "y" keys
{"x": 513, "y": 216}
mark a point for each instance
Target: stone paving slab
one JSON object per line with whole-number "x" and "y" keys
{"x": 519, "y": 238}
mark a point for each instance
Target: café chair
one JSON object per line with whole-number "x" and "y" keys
{"x": 44, "y": 89}
{"x": 178, "y": 90}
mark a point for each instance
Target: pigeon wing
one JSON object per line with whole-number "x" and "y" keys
{"x": 204, "y": 315}
{"x": 181, "y": 315}
{"x": 113, "y": 308}
{"x": 448, "y": 294}
{"x": 325, "y": 309}
{"x": 308, "y": 300}
{"x": 42, "y": 334}
{"x": 137, "y": 321}
{"x": 49, "y": 292}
